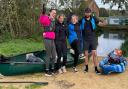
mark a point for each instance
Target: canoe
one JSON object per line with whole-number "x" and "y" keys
{"x": 18, "y": 65}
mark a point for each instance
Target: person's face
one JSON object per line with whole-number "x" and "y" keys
{"x": 88, "y": 14}
{"x": 53, "y": 14}
{"x": 61, "y": 19}
{"x": 74, "y": 19}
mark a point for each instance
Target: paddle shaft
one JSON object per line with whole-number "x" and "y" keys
{"x": 44, "y": 83}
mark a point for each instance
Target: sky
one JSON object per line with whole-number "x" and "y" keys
{"x": 101, "y": 4}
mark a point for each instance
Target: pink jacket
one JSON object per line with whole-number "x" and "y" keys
{"x": 44, "y": 20}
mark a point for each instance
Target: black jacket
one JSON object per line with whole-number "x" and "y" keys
{"x": 60, "y": 31}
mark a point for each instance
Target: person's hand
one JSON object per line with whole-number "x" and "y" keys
{"x": 102, "y": 23}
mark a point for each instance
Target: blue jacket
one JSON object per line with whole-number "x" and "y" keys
{"x": 108, "y": 68}
{"x": 92, "y": 22}
{"x": 73, "y": 35}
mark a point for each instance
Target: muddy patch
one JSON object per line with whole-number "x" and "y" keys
{"x": 64, "y": 84}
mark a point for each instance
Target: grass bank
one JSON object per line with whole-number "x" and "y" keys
{"x": 19, "y": 46}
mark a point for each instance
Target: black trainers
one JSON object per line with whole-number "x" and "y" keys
{"x": 53, "y": 71}
{"x": 86, "y": 68}
{"x": 97, "y": 72}
{"x": 48, "y": 73}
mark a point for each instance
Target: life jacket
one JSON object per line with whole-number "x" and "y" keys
{"x": 92, "y": 22}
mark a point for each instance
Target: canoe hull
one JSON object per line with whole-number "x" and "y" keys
{"x": 17, "y": 65}
{"x": 17, "y": 68}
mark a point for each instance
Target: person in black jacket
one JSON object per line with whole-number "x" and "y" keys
{"x": 89, "y": 26}
{"x": 61, "y": 44}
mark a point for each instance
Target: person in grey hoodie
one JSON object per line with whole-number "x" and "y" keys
{"x": 48, "y": 23}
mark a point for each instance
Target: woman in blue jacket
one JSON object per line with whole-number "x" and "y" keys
{"x": 75, "y": 33}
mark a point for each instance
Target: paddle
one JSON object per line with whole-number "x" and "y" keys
{"x": 38, "y": 83}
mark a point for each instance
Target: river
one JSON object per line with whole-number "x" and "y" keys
{"x": 110, "y": 40}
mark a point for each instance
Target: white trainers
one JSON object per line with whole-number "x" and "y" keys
{"x": 1, "y": 76}
{"x": 72, "y": 51}
{"x": 60, "y": 71}
{"x": 64, "y": 69}
{"x": 75, "y": 69}
{"x": 81, "y": 56}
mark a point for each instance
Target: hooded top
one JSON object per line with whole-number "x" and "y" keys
{"x": 60, "y": 31}
{"x": 47, "y": 23}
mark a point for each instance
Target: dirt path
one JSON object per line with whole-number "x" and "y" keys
{"x": 71, "y": 80}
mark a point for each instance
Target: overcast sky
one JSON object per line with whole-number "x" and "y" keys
{"x": 107, "y": 6}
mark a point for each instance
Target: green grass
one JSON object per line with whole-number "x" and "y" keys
{"x": 125, "y": 48}
{"x": 30, "y": 86}
{"x": 33, "y": 86}
{"x": 19, "y": 46}
{"x": 11, "y": 87}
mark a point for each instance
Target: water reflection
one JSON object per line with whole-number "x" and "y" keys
{"x": 108, "y": 41}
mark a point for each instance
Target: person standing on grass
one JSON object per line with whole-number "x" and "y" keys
{"x": 48, "y": 22}
{"x": 61, "y": 44}
{"x": 89, "y": 36}
{"x": 73, "y": 38}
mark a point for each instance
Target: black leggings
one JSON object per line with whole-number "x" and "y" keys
{"x": 75, "y": 47}
{"x": 61, "y": 49}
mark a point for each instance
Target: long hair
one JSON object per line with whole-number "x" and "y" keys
{"x": 43, "y": 9}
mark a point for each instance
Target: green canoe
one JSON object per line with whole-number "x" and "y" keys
{"x": 17, "y": 65}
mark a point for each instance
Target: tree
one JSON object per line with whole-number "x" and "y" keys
{"x": 120, "y": 3}
{"x": 63, "y": 4}
{"x": 59, "y": 4}
{"x": 103, "y": 12}
{"x": 18, "y": 18}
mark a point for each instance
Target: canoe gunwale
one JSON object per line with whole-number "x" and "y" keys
{"x": 22, "y": 63}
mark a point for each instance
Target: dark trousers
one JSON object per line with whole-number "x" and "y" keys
{"x": 81, "y": 45}
{"x": 50, "y": 53}
{"x": 75, "y": 47}
{"x": 61, "y": 49}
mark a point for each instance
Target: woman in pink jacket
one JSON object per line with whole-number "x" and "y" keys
{"x": 48, "y": 22}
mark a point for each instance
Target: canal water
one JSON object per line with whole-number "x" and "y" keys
{"x": 110, "y": 40}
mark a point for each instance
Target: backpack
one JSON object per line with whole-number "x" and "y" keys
{"x": 3, "y": 58}
{"x": 32, "y": 58}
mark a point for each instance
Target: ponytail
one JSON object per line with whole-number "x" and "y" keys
{"x": 43, "y": 9}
